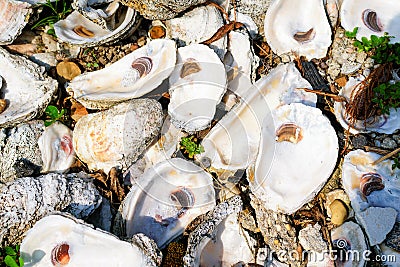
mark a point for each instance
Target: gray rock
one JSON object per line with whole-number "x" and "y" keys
{"x": 19, "y": 151}
{"x": 310, "y": 238}
{"x": 389, "y": 143}
{"x": 26, "y": 200}
{"x": 377, "y": 223}
{"x": 161, "y": 9}
{"x": 350, "y": 68}
{"x": 47, "y": 60}
{"x": 359, "y": 141}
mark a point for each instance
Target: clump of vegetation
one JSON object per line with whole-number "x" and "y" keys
{"x": 52, "y": 13}
{"x": 11, "y": 256}
{"x": 190, "y": 147}
{"x": 396, "y": 163}
{"x": 95, "y": 63}
{"x": 376, "y": 94}
{"x": 53, "y": 114}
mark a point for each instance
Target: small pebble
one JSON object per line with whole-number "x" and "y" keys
{"x": 339, "y": 212}
{"x": 389, "y": 143}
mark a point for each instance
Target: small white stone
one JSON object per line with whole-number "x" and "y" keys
{"x": 310, "y": 238}
{"x": 377, "y": 223}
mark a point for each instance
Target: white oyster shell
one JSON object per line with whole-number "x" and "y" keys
{"x": 130, "y": 77}
{"x": 80, "y": 243}
{"x": 196, "y": 26}
{"x": 232, "y": 144}
{"x": 76, "y": 29}
{"x": 381, "y": 124}
{"x": 371, "y": 18}
{"x": 25, "y": 87}
{"x": 349, "y": 237}
{"x": 14, "y": 15}
{"x": 300, "y": 27}
{"x": 288, "y": 174}
{"x": 165, "y": 199}
{"x": 56, "y": 148}
{"x": 39, "y": 196}
{"x": 358, "y": 163}
{"x": 117, "y": 137}
{"x": 197, "y": 85}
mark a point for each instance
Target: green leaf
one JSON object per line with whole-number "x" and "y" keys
{"x": 10, "y": 251}
{"x": 21, "y": 262}
{"x": 95, "y": 65}
{"x": 375, "y": 40}
{"x": 48, "y": 123}
{"x": 9, "y": 261}
{"x": 52, "y": 111}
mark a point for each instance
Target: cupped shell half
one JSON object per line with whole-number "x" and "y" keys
{"x": 382, "y": 124}
{"x": 134, "y": 75}
{"x": 371, "y": 18}
{"x": 62, "y": 240}
{"x": 197, "y": 85}
{"x": 25, "y": 87}
{"x": 78, "y": 30}
{"x": 232, "y": 144}
{"x": 26, "y": 200}
{"x": 14, "y": 15}
{"x": 369, "y": 184}
{"x": 301, "y": 27}
{"x": 165, "y": 199}
{"x": 291, "y": 168}
{"x": 116, "y": 137}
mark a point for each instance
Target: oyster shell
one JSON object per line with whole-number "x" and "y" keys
{"x": 31, "y": 148}
{"x": 59, "y": 239}
{"x": 28, "y": 199}
{"x": 14, "y": 15}
{"x": 219, "y": 240}
{"x": 289, "y": 151}
{"x": 117, "y": 137}
{"x": 300, "y": 27}
{"x": 132, "y": 76}
{"x": 76, "y": 29}
{"x": 348, "y": 240}
{"x": 371, "y": 18}
{"x": 104, "y": 17}
{"x": 196, "y": 26}
{"x": 55, "y": 145}
{"x": 370, "y": 185}
{"x": 197, "y": 85}
{"x": 161, "y": 9}
{"x": 233, "y": 143}
{"x": 381, "y": 124}
{"x": 165, "y": 199}
{"x": 25, "y": 87}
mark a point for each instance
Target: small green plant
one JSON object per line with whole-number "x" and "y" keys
{"x": 11, "y": 256}
{"x": 387, "y": 96}
{"x": 53, "y": 114}
{"x": 190, "y": 146}
{"x": 396, "y": 163}
{"x": 94, "y": 64}
{"x": 55, "y": 11}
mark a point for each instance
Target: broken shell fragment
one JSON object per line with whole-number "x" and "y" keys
{"x": 117, "y": 136}
{"x": 74, "y": 193}
{"x": 164, "y": 200}
{"x": 197, "y": 85}
{"x": 284, "y": 161}
{"x": 347, "y": 240}
{"x": 134, "y": 75}
{"x": 196, "y": 26}
{"x": 382, "y": 124}
{"x": 371, "y": 18}
{"x": 25, "y": 87}
{"x": 66, "y": 241}
{"x": 76, "y": 29}
{"x": 14, "y": 15}
{"x": 232, "y": 144}
{"x": 370, "y": 185}
{"x": 298, "y": 27}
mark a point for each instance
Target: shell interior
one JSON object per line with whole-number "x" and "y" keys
{"x": 132, "y": 76}
{"x": 197, "y": 85}
{"x": 299, "y": 27}
{"x": 14, "y": 15}
{"x": 290, "y": 149}
{"x": 166, "y": 198}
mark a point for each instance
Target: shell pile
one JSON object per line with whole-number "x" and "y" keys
{"x": 199, "y": 133}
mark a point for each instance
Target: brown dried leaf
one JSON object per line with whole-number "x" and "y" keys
{"x": 68, "y": 70}
{"x": 341, "y": 81}
{"x": 77, "y": 111}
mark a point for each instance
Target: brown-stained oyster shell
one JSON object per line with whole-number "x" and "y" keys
{"x": 14, "y": 15}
